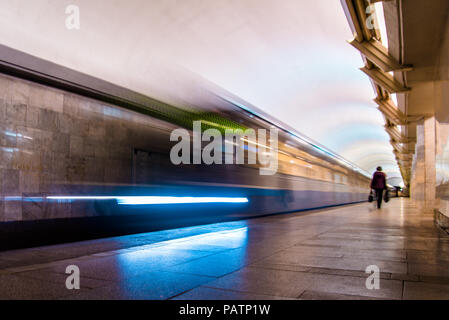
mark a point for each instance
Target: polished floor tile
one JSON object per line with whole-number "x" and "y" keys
{"x": 320, "y": 254}
{"x": 22, "y": 288}
{"x": 205, "y": 293}
{"x": 151, "y": 286}
{"x": 425, "y": 291}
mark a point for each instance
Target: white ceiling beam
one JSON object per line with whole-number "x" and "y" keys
{"x": 378, "y": 54}
{"x": 385, "y": 80}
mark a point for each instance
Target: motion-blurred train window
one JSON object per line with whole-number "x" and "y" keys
{"x": 147, "y": 166}
{"x": 141, "y": 166}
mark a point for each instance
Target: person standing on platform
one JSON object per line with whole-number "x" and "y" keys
{"x": 379, "y": 184}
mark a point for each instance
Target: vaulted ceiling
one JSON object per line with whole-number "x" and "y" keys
{"x": 289, "y": 58}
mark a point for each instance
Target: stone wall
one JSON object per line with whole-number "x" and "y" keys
{"x": 52, "y": 142}
{"x": 442, "y": 134}
{"x": 442, "y": 152}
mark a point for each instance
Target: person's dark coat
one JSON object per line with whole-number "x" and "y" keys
{"x": 378, "y": 181}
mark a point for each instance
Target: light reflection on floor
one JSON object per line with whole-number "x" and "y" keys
{"x": 165, "y": 254}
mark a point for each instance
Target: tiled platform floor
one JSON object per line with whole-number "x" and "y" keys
{"x": 319, "y": 254}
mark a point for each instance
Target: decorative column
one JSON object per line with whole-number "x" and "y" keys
{"x": 423, "y": 182}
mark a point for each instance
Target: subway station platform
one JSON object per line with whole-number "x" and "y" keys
{"x": 318, "y": 254}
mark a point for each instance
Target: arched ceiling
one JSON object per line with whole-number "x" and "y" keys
{"x": 289, "y": 58}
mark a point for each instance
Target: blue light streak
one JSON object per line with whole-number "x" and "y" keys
{"x": 177, "y": 200}
{"x": 145, "y": 200}
{"x": 20, "y": 198}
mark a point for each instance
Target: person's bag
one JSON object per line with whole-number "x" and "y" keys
{"x": 386, "y": 196}
{"x": 371, "y": 196}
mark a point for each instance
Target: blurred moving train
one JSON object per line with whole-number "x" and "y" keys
{"x": 83, "y": 158}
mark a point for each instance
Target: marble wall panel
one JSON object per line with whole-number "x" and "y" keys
{"x": 2, "y": 207}
{"x": 32, "y": 117}
{"x": 10, "y": 182}
{"x": 29, "y": 181}
{"x": 48, "y": 120}
{"x": 16, "y": 113}
{"x": 94, "y": 169}
{"x": 16, "y": 91}
{"x": 61, "y": 143}
{"x": 8, "y": 134}
{"x": 76, "y": 145}
{"x": 25, "y": 138}
{"x": 12, "y": 211}
{"x": 44, "y": 98}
